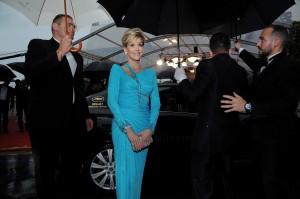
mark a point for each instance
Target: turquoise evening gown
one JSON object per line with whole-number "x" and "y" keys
{"x": 129, "y": 100}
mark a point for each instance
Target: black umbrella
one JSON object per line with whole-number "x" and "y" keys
{"x": 259, "y": 14}
{"x": 6, "y": 73}
{"x": 97, "y": 70}
{"x": 160, "y": 17}
{"x": 17, "y": 66}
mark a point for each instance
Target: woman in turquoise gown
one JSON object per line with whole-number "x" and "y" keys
{"x": 133, "y": 98}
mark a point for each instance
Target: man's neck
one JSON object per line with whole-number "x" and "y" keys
{"x": 274, "y": 54}
{"x": 58, "y": 41}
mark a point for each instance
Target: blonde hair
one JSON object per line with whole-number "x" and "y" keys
{"x": 131, "y": 34}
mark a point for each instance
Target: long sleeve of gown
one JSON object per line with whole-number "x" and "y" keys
{"x": 113, "y": 96}
{"x": 155, "y": 105}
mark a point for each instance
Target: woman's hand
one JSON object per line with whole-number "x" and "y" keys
{"x": 134, "y": 140}
{"x": 146, "y": 137}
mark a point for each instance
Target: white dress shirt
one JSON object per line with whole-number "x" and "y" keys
{"x": 73, "y": 66}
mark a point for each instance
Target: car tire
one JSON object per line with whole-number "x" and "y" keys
{"x": 102, "y": 168}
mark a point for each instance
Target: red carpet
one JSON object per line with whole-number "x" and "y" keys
{"x": 14, "y": 140}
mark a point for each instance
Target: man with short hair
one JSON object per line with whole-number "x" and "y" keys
{"x": 271, "y": 104}
{"x": 58, "y": 115}
{"x": 213, "y": 138}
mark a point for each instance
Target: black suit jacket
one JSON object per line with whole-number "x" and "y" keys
{"x": 274, "y": 96}
{"x": 214, "y": 131}
{"x": 51, "y": 88}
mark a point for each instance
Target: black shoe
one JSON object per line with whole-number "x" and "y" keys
{"x": 21, "y": 130}
{"x": 5, "y": 131}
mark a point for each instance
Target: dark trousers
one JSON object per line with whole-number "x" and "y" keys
{"x": 279, "y": 166}
{"x": 58, "y": 161}
{"x": 211, "y": 176}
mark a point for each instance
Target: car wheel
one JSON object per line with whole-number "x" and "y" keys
{"x": 102, "y": 168}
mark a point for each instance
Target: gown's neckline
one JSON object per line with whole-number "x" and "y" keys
{"x": 131, "y": 69}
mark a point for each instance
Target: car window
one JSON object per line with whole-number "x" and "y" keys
{"x": 172, "y": 100}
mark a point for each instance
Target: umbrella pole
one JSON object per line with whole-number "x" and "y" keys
{"x": 177, "y": 25}
{"x": 67, "y": 33}
{"x": 66, "y": 17}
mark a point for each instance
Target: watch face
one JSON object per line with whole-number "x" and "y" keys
{"x": 248, "y": 106}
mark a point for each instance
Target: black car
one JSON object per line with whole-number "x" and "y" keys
{"x": 168, "y": 161}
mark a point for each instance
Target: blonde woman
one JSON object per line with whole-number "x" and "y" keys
{"x": 133, "y": 98}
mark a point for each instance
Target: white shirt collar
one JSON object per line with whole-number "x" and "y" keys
{"x": 270, "y": 58}
{"x": 56, "y": 39}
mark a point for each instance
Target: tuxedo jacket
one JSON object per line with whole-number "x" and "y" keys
{"x": 214, "y": 130}
{"x": 274, "y": 97}
{"x": 51, "y": 88}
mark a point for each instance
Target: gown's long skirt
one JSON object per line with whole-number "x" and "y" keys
{"x": 129, "y": 164}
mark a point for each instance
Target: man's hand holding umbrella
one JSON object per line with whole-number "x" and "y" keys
{"x": 64, "y": 47}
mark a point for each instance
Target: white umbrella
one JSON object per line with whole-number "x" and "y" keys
{"x": 42, "y": 12}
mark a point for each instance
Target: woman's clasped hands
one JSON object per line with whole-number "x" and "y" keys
{"x": 146, "y": 137}
{"x": 140, "y": 140}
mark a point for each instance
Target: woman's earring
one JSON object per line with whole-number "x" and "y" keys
{"x": 125, "y": 53}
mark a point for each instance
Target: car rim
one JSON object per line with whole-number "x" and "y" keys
{"x": 102, "y": 169}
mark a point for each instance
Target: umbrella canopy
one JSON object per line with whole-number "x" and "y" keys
{"x": 97, "y": 70}
{"x": 6, "y": 73}
{"x": 160, "y": 17}
{"x": 17, "y": 66}
{"x": 42, "y": 12}
{"x": 256, "y": 17}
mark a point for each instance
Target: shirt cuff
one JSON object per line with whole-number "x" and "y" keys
{"x": 181, "y": 78}
{"x": 240, "y": 50}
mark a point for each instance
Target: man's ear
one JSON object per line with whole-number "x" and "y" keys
{"x": 277, "y": 41}
{"x": 211, "y": 53}
{"x": 55, "y": 26}
{"x": 230, "y": 51}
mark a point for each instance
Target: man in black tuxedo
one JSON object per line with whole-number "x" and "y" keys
{"x": 213, "y": 138}
{"x": 271, "y": 103}
{"x": 7, "y": 100}
{"x": 58, "y": 114}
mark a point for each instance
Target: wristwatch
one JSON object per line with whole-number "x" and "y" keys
{"x": 248, "y": 107}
